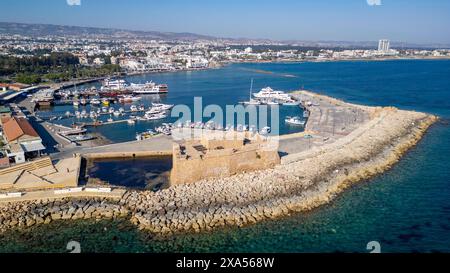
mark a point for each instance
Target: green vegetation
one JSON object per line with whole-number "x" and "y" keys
{"x": 55, "y": 67}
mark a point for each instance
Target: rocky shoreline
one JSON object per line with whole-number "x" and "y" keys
{"x": 302, "y": 182}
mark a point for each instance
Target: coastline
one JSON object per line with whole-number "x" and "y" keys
{"x": 68, "y": 84}
{"x": 304, "y": 181}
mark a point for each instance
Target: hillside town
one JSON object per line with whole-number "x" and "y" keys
{"x": 135, "y": 55}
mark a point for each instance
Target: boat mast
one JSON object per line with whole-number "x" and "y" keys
{"x": 251, "y": 89}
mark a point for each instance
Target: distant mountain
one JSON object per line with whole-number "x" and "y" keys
{"x": 57, "y": 30}
{"x": 34, "y": 30}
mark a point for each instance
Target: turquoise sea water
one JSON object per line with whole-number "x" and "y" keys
{"x": 407, "y": 209}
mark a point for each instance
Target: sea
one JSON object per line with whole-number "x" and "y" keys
{"x": 406, "y": 209}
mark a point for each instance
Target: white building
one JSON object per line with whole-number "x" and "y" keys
{"x": 383, "y": 45}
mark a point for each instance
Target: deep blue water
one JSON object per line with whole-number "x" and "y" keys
{"x": 407, "y": 209}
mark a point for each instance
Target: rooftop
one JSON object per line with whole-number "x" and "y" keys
{"x": 15, "y": 128}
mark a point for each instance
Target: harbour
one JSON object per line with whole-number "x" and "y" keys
{"x": 332, "y": 122}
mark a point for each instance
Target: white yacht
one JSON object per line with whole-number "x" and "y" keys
{"x": 269, "y": 93}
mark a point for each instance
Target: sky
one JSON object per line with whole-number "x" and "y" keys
{"x": 411, "y": 21}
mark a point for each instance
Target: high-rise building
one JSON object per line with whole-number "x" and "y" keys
{"x": 383, "y": 45}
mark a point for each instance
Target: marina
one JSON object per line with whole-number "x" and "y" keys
{"x": 136, "y": 114}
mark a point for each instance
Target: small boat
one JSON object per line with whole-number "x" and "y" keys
{"x": 76, "y": 103}
{"x": 265, "y": 130}
{"x": 111, "y": 110}
{"x": 145, "y": 135}
{"x": 291, "y": 103}
{"x": 162, "y": 106}
{"x": 295, "y": 121}
{"x": 104, "y": 110}
{"x": 131, "y": 121}
{"x": 141, "y": 108}
{"x": 133, "y": 108}
{"x": 105, "y": 102}
{"x": 156, "y": 116}
{"x": 83, "y": 101}
{"x": 95, "y": 102}
{"x": 116, "y": 113}
{"x": 121, "y": 110}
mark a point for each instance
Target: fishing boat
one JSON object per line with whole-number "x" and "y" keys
{"x": 295, "y": 121}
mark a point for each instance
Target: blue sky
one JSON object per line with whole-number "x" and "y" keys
{"x": 414, "y": 21}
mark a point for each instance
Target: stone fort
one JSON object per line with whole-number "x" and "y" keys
{"x": 221, "y": 156}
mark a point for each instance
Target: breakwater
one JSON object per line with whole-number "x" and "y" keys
{"x": 296, "y": 186}
{"x": 302, "y": 182}
{"x": 30, "y": 213}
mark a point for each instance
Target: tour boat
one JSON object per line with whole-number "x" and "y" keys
{"x": 148, "y": 88}
{"x": 111, "y": 84}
